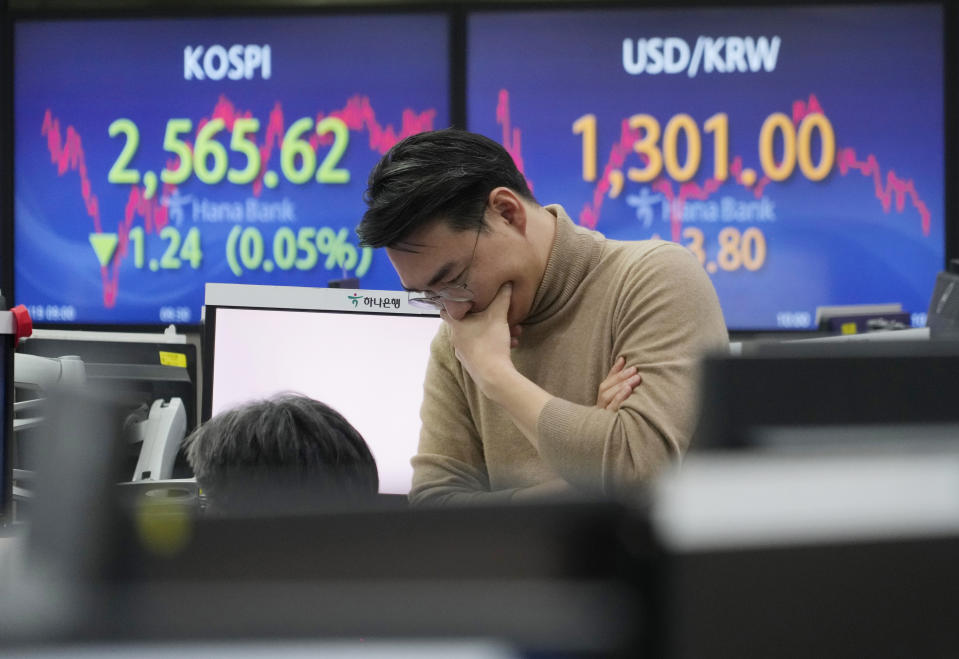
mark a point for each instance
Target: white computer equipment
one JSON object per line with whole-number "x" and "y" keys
{"x": 151, "y": 378}
{"x": 363, "y": 353}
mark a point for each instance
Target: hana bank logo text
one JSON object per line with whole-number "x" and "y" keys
{"x": 673, "y": 55}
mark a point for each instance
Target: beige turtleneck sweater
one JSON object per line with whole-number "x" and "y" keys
{"x": 649, "y": 301}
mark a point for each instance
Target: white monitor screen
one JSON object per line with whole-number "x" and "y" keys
{"x": 367, "y": 364}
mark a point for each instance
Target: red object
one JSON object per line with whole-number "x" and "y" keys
{"x": 23, "y": 321}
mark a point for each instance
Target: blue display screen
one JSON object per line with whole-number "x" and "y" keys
{"x": 798, "y": 152}
{"x": 153, "y": 156}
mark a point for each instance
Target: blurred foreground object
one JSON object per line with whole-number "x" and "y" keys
{"x": 820, "y": 554}
{"x": 943, "y": 315}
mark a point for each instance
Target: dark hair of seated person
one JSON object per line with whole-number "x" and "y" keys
{"x": 288, "y": 453}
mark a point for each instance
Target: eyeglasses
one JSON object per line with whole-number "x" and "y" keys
{"x": 454, "y": 293}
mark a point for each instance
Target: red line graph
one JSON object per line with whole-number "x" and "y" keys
{"x": 357, "y": 114}
{"x": 512, "y": 137}
{"x": 888, "y": 188}
{"x": 68, "y": 155}
{"x": 895, "y": 187}
{"x": 589, "y": 216}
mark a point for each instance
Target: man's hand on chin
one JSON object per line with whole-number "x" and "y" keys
{"x": 482, "y": 343}
{"x": 483, "y": 339}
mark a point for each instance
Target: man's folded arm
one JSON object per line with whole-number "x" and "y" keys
{"x": 672, "y": 320}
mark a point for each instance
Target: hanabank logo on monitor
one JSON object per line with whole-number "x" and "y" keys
{"x": 236, "y": 62}
{"x": 673, "y": 55}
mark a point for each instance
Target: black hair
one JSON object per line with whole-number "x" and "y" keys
{"x": 439, "y": 175}
{"x": 290, "y": 450}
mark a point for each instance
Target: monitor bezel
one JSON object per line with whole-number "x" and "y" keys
{"x": 745, "y": 396}
{"x": 279, "y": 298}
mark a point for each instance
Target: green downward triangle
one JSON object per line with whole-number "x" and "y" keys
{"x": 104, "y": 244}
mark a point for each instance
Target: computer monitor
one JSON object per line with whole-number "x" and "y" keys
{"x": 797, "y": 150}
{"x": 824, "y": 394}
{"x": 362, "y": 352}
{"x": 153, "y": 155}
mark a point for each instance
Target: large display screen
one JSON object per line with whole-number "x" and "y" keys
{"x": 152, "y": 156}
{"x": 798, "y": 152}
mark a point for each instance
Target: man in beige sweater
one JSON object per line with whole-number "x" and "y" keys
{"x": 531, "y": 389}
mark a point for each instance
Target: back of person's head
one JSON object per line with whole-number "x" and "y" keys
{"x": 439, "y": 175}
{"x": 288, "y": 452}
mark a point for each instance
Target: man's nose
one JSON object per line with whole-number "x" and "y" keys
{"x": 457, "y": 310}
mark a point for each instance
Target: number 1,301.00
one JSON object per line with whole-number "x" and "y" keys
{"x": 797, "y": 146}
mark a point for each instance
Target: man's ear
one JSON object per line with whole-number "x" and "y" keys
{"x": 505, "y": 203}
